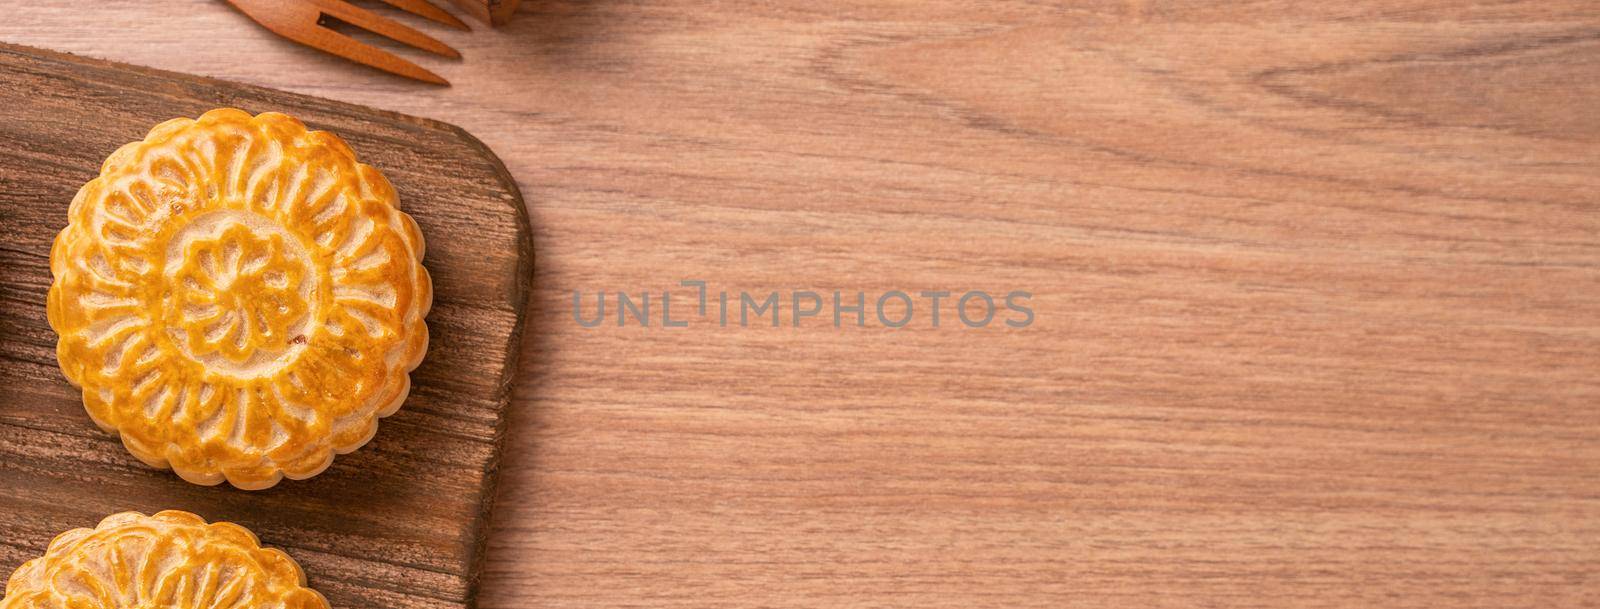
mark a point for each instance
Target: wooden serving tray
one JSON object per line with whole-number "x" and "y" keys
{"x": 397, "y": 524}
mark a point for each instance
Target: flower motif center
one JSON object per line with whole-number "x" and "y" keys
{"x": 239, "y": 293}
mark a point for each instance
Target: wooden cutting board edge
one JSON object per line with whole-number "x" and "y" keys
{"x": 507, "y": 382}
{"x": 523, "y": 285}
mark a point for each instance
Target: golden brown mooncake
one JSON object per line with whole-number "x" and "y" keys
{"x": 172, "y": 560}
{"x": 239, "y": 298}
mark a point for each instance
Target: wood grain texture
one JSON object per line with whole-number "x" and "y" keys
{"x": 398, "y": 523}
{"x": 1316, "y": 287}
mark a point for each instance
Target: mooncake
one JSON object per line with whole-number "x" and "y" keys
{"x": 172, "y": 560}
{"x": 239, "y": 298}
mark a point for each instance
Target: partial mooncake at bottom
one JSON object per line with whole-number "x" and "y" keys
{"x": 172, "y": 560}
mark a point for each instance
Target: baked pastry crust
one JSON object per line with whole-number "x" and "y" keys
{"x": 239, "y": 298}
{"x": 172, "y": 560}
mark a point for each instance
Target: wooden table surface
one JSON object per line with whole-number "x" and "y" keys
{"x": 1317, "y": 289}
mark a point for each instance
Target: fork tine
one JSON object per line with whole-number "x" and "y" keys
{"x": 357, "y": 51}
{"x": 426, "y": 9}
{"x": 297, "y": 21}
{"x": 367, "y": 20}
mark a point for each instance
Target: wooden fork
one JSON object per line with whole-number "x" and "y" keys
{"x": 301, "y": 21}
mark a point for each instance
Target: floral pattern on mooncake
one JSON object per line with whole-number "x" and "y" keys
{"x": 172, "y": 560}
{"x": 239, "y": 298}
